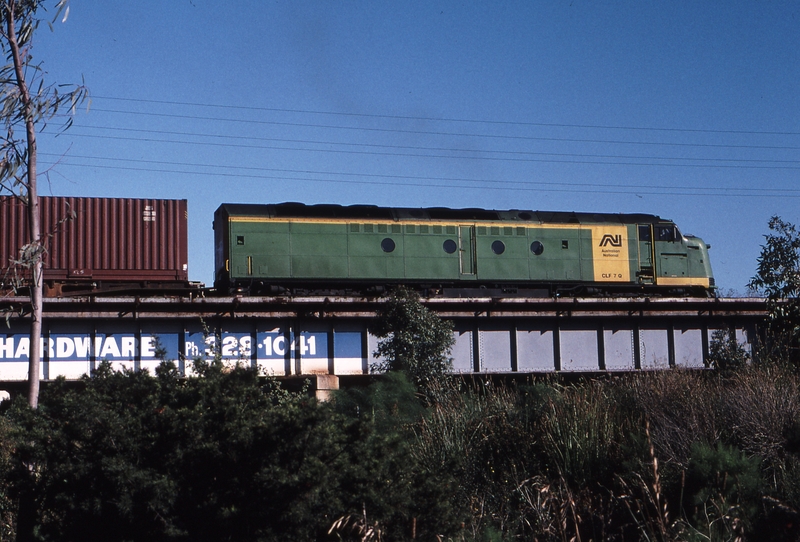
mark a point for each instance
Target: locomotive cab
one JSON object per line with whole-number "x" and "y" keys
{"x": 670, "y": 259}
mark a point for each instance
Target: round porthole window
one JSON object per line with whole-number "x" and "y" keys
{"x": 387, "y": 245}
{"x": 449, "y": 246}
{"x": 498, "y": 247}
{"x": 537, "y": 248}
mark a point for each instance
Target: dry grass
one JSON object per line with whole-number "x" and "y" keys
{"x": 757, "y": 405}
{"x": 605, "y": 459}
{"x": 681, "y": 408}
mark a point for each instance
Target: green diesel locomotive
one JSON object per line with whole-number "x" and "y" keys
{"x": 301, "y": 249}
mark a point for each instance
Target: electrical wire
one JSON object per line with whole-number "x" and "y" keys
{"x": 446, "y": 119}
{"x": 420, "y": 181}
{"x": 367, "y": 145}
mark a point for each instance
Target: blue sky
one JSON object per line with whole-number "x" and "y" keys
{"x": 688, "y": 110}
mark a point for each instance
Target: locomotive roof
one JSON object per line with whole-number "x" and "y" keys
{"x": 374, "y": 212}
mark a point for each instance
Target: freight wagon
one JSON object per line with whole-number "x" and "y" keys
{"x": 100, "y": 244}
{"x": 330, "y": 249}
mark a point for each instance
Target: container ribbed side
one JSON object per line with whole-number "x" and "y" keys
{"x": 110, "y": 239}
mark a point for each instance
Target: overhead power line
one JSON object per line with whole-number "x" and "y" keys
{"x": 418, "y": 132}
{"x": 448, "y": 119}
{"x": 558, "y": 158}
{"x": 440, "y": 133}
{"x": 640, "y": 191}
{"x": 501, "y": 142}
{"x": 392, "y": 180}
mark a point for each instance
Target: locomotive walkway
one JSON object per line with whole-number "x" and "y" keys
{"x": 328, "y": 337}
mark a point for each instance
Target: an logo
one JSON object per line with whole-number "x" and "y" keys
{"x": 613, "y": 240}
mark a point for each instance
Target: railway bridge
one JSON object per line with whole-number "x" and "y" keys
{"x": 328, "y": 337}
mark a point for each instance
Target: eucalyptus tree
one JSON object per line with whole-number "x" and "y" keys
{"x": 28, "y": 103}
{"x": 778, "y": 276}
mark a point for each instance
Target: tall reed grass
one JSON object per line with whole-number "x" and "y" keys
{"x": 669, "y": 455}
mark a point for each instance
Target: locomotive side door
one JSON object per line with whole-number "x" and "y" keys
{"x": 673, "y": 261}
{"x": 466, "y": 252}
{"x": 646, "y": 272}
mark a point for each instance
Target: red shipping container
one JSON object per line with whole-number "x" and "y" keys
{"x": 102, "y": 243}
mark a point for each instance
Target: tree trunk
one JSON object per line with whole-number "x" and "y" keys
{"x": 35, "y": 353}
{"x": 34, "y": 225}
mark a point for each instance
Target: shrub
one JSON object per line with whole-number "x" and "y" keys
{"x": 723, "y": 490}
{"x": 413, "y": 340}
{"x": 725, "y": 352}
{"x": 221, "y": 456}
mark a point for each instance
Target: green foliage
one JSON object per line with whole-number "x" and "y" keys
{"x": 220, "y": 456}
{"x": 389, "y": 402}
{"x": 723, "y": 487}
{"x": 725, "y": 352}
{"x": 228, "y": 455}
{"x": 778, "y": 273}
{"x": 530, "y": 463}
{"x": 486, "y": 440}
{"x": 402, "y": 494}
{"x": 8, "y": 505}
{"x": 582, "y": 433}
{"x": 413, "y": 340}
{"x": 778, "y": 276}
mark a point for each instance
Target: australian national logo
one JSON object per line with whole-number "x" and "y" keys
{"x": 611, "y": 240}
{"x": 610, "y": 256}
